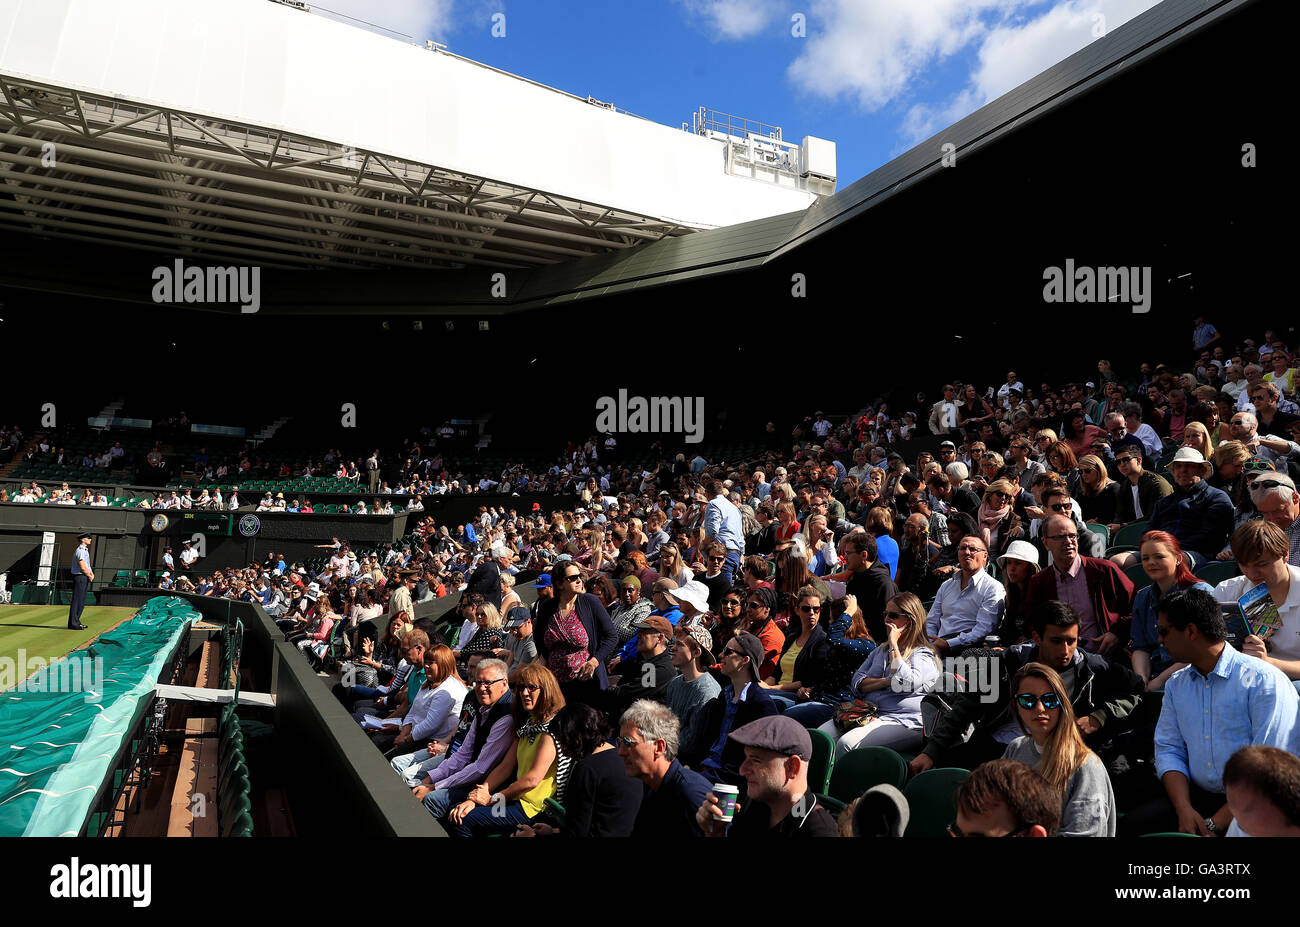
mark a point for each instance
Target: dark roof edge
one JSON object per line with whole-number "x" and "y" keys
{"x": 1151, "y": 32}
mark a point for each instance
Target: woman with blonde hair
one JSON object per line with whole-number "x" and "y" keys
{"x": 488, "y": 637}
{"x": 671, "y": 565}
{"x": 509, "y": 598}
{"x": 532, "y": 770}
{"x": 1197, "y": 436}
{"x": 1053, "y": 746}
{"x": 892, "y": 681}
{"x": 1098, "y": 494}
{"x": 998, "y": 522}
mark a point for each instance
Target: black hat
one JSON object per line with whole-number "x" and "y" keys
{"x": 777, "y": 733}
{"x": 518, "y": 616}
{"x": 753, "y": 648}
{"x": 85, "y": 535}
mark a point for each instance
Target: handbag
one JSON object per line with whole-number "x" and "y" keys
{"x": 854, "y": 714}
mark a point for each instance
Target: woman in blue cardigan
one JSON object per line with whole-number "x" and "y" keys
{"x": 575, "y": 636}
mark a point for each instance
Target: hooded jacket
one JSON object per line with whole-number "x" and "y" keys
{"x": 1105, "y": 691}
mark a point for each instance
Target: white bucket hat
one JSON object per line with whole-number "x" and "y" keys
{"x": 694, "y": 592}
{"x": 1193, "y": 456}
{"x": 1020, "y": 550}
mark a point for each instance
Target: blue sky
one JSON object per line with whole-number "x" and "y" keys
{"x": 874, "y": 76}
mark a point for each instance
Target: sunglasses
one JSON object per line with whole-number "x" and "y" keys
{"x": 890, "y": 613}
{"x": 526, "y": 687}
{"x": 1051, "y": 701}
{"x": 1269, "y": 484}
{"x": 1060, "y": 506}
{"x": 573, "y": 578}
{"x": 806, "y": 609}
{"x": 730, "y": 603}
{"x": 1120, "y": 461}
{"x": 755, "y": 605}
{"x": 734, "y": 653}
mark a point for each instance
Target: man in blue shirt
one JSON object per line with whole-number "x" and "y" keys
{"x": 1221, "y": 702}
{"x": 647, "y": 742}
{"x": 722, "y": 523}
{"x": 82, "y": 576}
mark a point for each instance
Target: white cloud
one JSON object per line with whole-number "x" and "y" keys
{"x": 875, "y": 51}
{"x": 884, "y": 51}
{"x": 420, "y": 19}
{"x": 1011, "y": 55}
{"x": 735, "y": 19}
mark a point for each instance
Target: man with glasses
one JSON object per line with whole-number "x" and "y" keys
{"x": 1275, "y": 497}
{"x": 1096, "y": 589}
{"x": 870, "y": 583}
{"x": 714, "y": 577}
{"x": 967, "y": 606}
{"x": 1266, "y": 398}
{"x": 648, "y": 738}
{"x": 1244, "y": 427}
{"x": 1118, "y": 438}
{"x": 1139, "y": 491}
{"x": 490, "y": 734}
{"x": 1223, "y": 701}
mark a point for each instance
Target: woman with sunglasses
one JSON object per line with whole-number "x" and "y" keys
{"x": 1098, "y": 493}
{"x": 803, "y": 656}
{"x": 998, "y": 522}
{"x": 575, "y": 637}
{"x": 1054, "y": 748}
{"x": 532, "y": 771}
{"x": 1062, "y": 459}
{"x": 894, "y": 678}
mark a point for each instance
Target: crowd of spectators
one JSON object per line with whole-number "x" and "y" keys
{"x": 697, "y": 621}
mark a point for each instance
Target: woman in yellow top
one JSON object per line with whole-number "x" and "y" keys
{"x": 805, "y": 656}
{"x": 533, "y": 761}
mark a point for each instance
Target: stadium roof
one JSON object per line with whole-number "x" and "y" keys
{"x": 231, "y": 131}
{"x": 756, "y": 243}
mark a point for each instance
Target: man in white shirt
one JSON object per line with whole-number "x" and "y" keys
{"x": 943, "y": 415}
{"x": 1139, "y": 429}
{"x": 189, "y": 555}
{"x": 1004, "y": 391}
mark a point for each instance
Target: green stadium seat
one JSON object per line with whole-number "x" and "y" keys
{"x": 822, "y": 763}
{"x": 932, "y": 801}
{"x": 1137, "y": 576}
{"x": 1131, "y": 534}
{"x": 1101, "y": 530}
{"x": 859, "y": 770}
{"x": 1216, "y": 571}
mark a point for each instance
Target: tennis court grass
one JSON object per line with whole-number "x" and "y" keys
{"x": 42, "y": 630}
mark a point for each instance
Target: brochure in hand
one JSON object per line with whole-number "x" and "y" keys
{"x": 1261, "y": 612}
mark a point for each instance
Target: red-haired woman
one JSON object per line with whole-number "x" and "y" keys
{"x": 1162, "y": 559}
